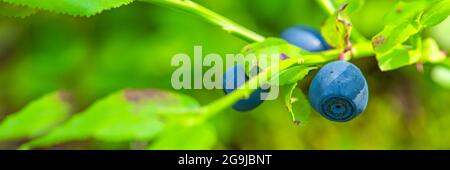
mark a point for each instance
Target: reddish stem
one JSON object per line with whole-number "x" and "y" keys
{"x": 419, "y": 67}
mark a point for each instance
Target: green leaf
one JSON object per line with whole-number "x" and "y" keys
{"x": 9, "y": 10}
{"x": 337, "y": 28}
{"x": 176, "y": 137}
{"x": 393, "y": 35}
{"x": 431, "y": 51}
{"x": 334, "y": 32}
{"x": 296, "y": 103}
{"x": 291, "y": 75}
{"x": 408, "y": 19}
{"x": 129, "y": 115}
{"x": 352, "y": 5}
{"x": 398, "y": 57}
{"x": 406, "y": 12}
{"x": 436, "y": 14}
{"x": 271, "y": 47}
{"x": 71, "y": 7}
{"x": 36, "y": 118}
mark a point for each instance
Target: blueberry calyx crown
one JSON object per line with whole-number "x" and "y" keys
{"x": 338, "y": 109}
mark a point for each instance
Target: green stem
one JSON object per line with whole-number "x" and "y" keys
{"x": 212, "y": 17}
{"x": 328, "y": 6}
{"x": 240, "y": 93}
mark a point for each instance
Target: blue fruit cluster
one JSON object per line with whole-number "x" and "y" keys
{"x": 306, "y": 38}
{"x": 339, "y": 91}
{"x": 233, "y": 79}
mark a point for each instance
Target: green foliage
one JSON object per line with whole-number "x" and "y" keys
{"x": 296, "y": 103}
{"x": 337, "y": 28}
{"x": 36, "y": 118}
{"x": 394, "y": 34}
{"x": 292, "y": 75}
{"x": 405, "y": 22}
{"x": 436, "y": 14}
{"x": 176, "y": 137}
{"x": 272, "y": 46}
{"x": 129, "y": 115}
{"x": 71, "y": 7}
{"x": 271, "y": 49}
{"x": 9, "y": 10}
{"x": 352, "y": 5}
{"x": 396, "y": 58}
{"x": 406, "y": 11}
{"x": 427, "y": 12}
{"x": 334, "y": 32}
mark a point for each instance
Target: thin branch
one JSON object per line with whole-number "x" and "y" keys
{"x": 212, "y": 17}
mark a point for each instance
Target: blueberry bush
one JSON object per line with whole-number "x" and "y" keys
{"x": 164, "y": 119}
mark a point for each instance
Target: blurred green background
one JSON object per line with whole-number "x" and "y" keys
{"x": 132, "y": 46}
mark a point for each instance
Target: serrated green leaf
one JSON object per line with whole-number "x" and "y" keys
{"x": 36, "y": 118}
{"x": 176, "y": 137}
{"x": 129, "y": 115}
{"x": 71, "y": 7}
{"x": 9, "y": 10}
{"x": 291, "y": 75}
{"x": 393, "y": 35}
{"x": 436, "y": 14}
{"x": 296, "y": 103}
{"x": 398, "y": 57}
{"x": 431, "y": 51}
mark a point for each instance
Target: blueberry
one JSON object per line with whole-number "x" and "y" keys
{"x": 339, "y": 91}
{"x": 306, "y": 38}
{"x": 233, "y": 79}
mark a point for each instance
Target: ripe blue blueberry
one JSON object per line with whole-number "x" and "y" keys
{"x": 233, "y": 79}
{"x": 306, "y": 38}
{"x": 339, "y": 91}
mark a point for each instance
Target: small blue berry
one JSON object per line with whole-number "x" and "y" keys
{"x": 306, "y": 38}
{"x": 339, "y": 91}
{"x": 233, "y": 79}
